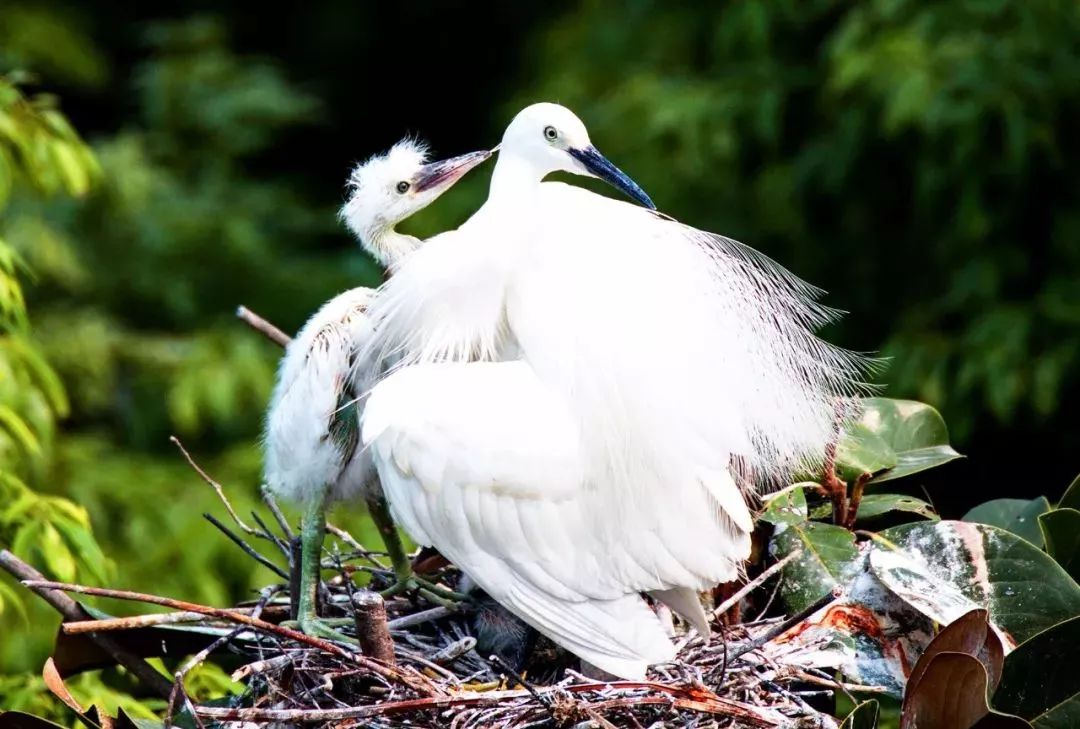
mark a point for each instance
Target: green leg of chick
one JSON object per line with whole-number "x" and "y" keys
{"x": 312, "y": 534}
{"x": 404, "y": 579}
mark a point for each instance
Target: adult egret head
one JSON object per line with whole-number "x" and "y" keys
{"x": 545, "y": 138}
{"x": 390, "y": 187}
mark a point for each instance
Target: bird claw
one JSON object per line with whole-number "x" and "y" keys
{"x": 318, "y": 628}
{"x": 429, "y": 590}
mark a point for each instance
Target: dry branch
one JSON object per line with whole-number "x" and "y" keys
{"x": 262, "y": 326}
{"x": 754, "y": 584}
{"x": 386, "y": 672}
{"x": 71, "y": 610}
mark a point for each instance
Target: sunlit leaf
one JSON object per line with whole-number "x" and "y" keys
{"x": 914, "y": 431}
{"x": 875, "y": 505}
{"x": 1024, "y": 589}
{"x": 786, "y": 507}
{"x": 829, "y": 559}
{"x": 1019, "y": 516}
{"x": 862, "y": 450}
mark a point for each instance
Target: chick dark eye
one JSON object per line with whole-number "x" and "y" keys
{"x": 403, "y": 187}
{"x": 551, "y": 134}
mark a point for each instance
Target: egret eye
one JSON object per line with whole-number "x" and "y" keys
{"x": 403, "y": 187}
{"x": 551, "y": 134}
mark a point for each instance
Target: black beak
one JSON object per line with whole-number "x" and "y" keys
{"x": 448, "y": 171}
{"x": 598, "y": 165}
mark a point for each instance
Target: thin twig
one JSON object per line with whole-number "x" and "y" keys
{"x": 698, "y": 700}
{"x": 785, "y": 625}
{"x": 754, "y": 584}
{"x": 424, "y": 616}
{"x": 512, "y": 675}
{"x": 248, "y": 549}
{"x": 135, "y": 621}
{"x": 262, "y": 326}
{"x": 769, "y": 602}
{"x": 71, "y": 610}
{"x": 236, "y": 617}
{"x": 349, "y": 539}
{"x": 271, "y": 503}
{"x": 214, "y": 485}
{"x": 263, "y": 666}
{"x": 281, "y": 545}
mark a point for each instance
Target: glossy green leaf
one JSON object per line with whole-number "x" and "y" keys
{"x": 829, "y": 558}
{"x": 1019, "y": 516}
{"x": 1040, "y": 682}
{"x": 875, "y": 505}
{"x": 786, "y": 507}
{"x": 904, "y": 424}
{"x": 916, "y": 460}
{"x": 863, "y": 716}
{"x": 1061, "y": 535}
{"x": 1071, "y": 499}
{"x": 1024, "y": 589}
{"x": 914, "y": 431}
{"x": 863, "y": 451}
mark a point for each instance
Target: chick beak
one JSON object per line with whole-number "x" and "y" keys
{"x": 443, "y": 174}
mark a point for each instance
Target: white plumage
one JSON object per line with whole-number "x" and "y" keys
{"x": 635, "y": 359}
{"x": 311, "y": 439}
{"x": 308, "y": 443}
{"x": 311, "y": 434}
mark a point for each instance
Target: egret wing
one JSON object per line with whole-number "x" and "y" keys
{"x": 483, "y": 462}
{"x": 311, "y": 435}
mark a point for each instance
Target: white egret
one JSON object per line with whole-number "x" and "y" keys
{"x": 312, "y": 428}
{"x": 581, "y": 375}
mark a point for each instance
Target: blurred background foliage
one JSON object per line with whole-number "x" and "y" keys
{"x": 917, "y": 159}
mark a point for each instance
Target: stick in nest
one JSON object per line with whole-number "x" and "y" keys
{"x": 386, "y": 672}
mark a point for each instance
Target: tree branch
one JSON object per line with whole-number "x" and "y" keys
{"x": 71, "y": 610}
{"x": 262, "y": 326}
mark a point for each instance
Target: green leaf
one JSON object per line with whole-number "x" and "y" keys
{"x": 1061, "y": 534}
{"x": 863, "y": 716}
{"x": 874, "y": 505}
{"x": 1019, "y": 516}
{"x": 58, "y": 558}
{"x": 829, "y": 558}
{"x": 862, "y": 451}
{"x": 915, "y": 432}
{"x": 9, "y": 598}
{"x": 1071, "y": 499}
{"x": 916, "y": 460}
{"x": 786, "y": 507}
{"x": 1024, "y": 589}
{"x": 1039, "y": 681}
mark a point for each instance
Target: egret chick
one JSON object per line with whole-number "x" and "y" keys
{"x": 312, "y": 427}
